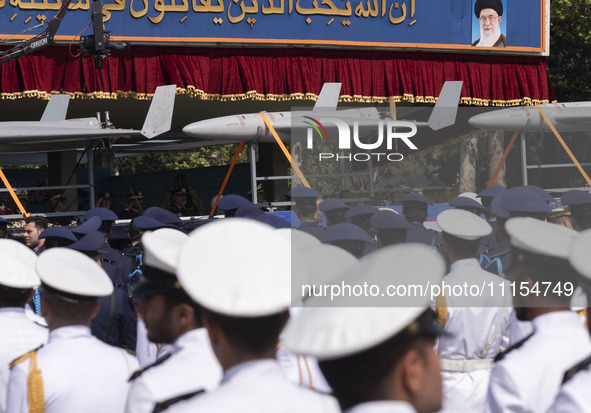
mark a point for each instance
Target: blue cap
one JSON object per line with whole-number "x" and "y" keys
{"x": 232, "y": 201}
{"x": 103, "y": 213}
{"x": 523, "y": 199}
{"x": 575, "y": 197}
{"x": 389, "y": 220}
{"x": 545, "y": 195}
{"x": 58, "y": 232}
{"x": 497, "y": 210}
{"x": 332, "y": 204}
{"x": 248, "y": 211}
{"x": 92, "y": 224}
{"x": 462, "y": 202}
{"x": 345, "y": 231}
{"x": 144, "y": 223}
{"x": 4, "y": 221}
{"x": 492, "y": 191}
{"x": 415, "y": 197}
{"x": 273, "y": 220}
{"x": 162, "y": 215}
{"x": 360, "y": 210}
{"x": 303, "y": 192}
{"x": 93, "y": 241}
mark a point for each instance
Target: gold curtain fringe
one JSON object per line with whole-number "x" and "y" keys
{"x": 193, "y": 92}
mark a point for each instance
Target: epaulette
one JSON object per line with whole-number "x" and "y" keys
{"x": 509, "y": 349}
{"x": 22, "y": 358}
{"x": 142, "y": 370}
{"x": 580, "y": 366}
{"x": 163, "y": 405}
{"x": 501, "y": 251}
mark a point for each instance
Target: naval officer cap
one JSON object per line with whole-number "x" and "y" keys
{"x": 389, "y": 220}
{"x": 90, "y": 225}
{"x": 340, "y": 330}
{"x": 415, "y": 197}
{"x": 523, "y": 200}
{"x": 232, "y": 201}
{"x": 332, "y": 204}
{"x": 345, "y": 232}
{"x": 91, "y": 242}
{"x": 103, "y": 213}
{"x": 162, "y": 215}
{"x": 18, "y": 265}
{"x": 463, "y": 225}
{"x": 497, "y": 210}
{"x": 298, "y": 239}
{"x": 247, "y": 272}
{"x": 59, "y": 233}
{"x": 303, "y": 192}
{"x": 144, "y": 223}
{"x": 248, "y": 211}
{"x": 492, "y": 191}
{"x": 273, "y": 220}
{"x": 4, "y": 222}
{"x": 471, "y": 204}
{"x": 72, "y": 276}
{"x": 580, "y": 258}
{"x": 161, "y": 252}
{"x": 496, "y": 5}
{"x": 359, "y": 210}
{"x": 538, "y": 242}
{"x": 576, "y": 198}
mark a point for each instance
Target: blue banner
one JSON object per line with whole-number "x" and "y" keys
{"x": 416, "y": 24}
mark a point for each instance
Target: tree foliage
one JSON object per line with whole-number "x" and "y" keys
{"x": 569, "y": 63}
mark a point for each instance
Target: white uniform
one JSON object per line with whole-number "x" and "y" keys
{"x": 302, "y": 370}
{"x": 574, "y": 395}
{"x": 19, "y": 336}
{"x": 382, "y": 407}
{"x": 80, "y": 373}
{"x": 147, "y": 352}
{"x": 528, "y": 378}
{"x": 191, "y": 366}
{"x": 257, "y": 386}
{"x": 478, "y": 333}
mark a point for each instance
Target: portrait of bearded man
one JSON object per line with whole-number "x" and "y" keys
{"x": 489, "y": 13}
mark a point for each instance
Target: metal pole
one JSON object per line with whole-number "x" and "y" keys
{"x": 253, "y": 172}
{"x": 90, "y": 160}
{"x": 370, "y": 173}
{"x": 523, "y": 160}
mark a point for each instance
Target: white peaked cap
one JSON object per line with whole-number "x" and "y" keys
{"x": 162, "y": 248}
{"x": 237, "y": 267}
{"x": 18, "y": 265}
{"x": 539, "y": 237}
{"x": 580, "y": 255}
{"x": 340, "y": 330}
{"x": 299, "y": 239}
{"x": 72, "y": 275}
{"x": 463, "y": 224}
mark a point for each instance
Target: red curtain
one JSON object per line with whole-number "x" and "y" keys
{"x": 280, "y": 73}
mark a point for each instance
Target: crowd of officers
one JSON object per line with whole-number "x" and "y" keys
{"x": 215, "y": 321}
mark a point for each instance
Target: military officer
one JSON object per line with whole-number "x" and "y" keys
{"x": 527, "y": 377}
{"x": 244, "y": 318}
{"x": 349, "y": 237}
{"x": 390, "y": 228}
{"x": 57, "y": 237}
{"x": 579, "y": 203}
{"x": 134, "y": 207}
{"x": 414, "y": 210}
{"x": 170, "y": 317}
{"x": 306, "y": 208}
{"x": 377, "y": 359}
{"x": 17, "y": 283}
{"x": 334, "y": 211}
{"x": 74, "y": 372}
{"x": 230, "y": 203}
{"x": 478, "y": 326}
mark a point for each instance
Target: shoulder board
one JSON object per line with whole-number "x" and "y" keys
{"x": 493, "y": 253}
{"x": 580, "y": 366}
{"x": 142, "y": 370}
{"x": 22, "y": 358}
{"x": 39, "y": 324}
{"x": 163, "y": 405}
{"x": 509, "y": 349}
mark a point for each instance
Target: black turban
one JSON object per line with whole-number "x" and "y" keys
{"x": 496, "y": 5}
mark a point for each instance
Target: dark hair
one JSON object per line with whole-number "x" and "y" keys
{"x": 3, "y": 232}
{"x": 335, "y": 217}
{"x": 40, "y": 222}
{"x": 391, "y": 236}
{"x": 13, "y": 297}
{"x": 306, "y": 206}
{"x": 134, "y": 232}
{"x": 463, "y": 248}
{"x": 72, "y": 313}
{"x": 176, "y": 297}
{"x": 582, "y": 217}
{"x": 414, "y": 211}
{"x": 254, "y": 335}
{"x": 106, "y": 227}
{"x": 355, "y": 247}
{"x": 357, "y": 378}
